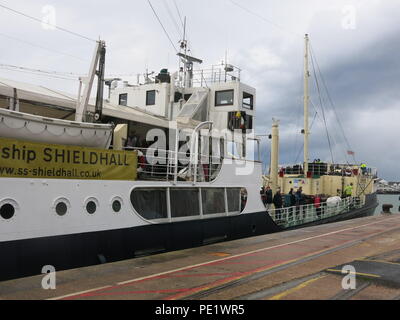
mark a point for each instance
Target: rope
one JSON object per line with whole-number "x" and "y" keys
{"x": 162, "y": 26}
{"x": 41, "y": 47}
{"x": 180, "y": 32}
{"x": 49, "y": 24}
{"x": 265, "y": 19}
{"x": 179, "y": 14}
{"x": 312, "y": 123}
{"x": 322, "y": 108}
{"x": 333, "y": 105}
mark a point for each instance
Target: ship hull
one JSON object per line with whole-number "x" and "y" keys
{"x": 27, "y": 257}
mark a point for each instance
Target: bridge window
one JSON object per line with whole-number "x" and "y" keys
{"x": 248, "y": 101}
{"x": 213, "y": 200}
{"x": 123, "y": 99}
{"x": 151, "y": 204}
{"x": 184, "y": 202}
{"x": 224, "y": 98}
{"x": 151, "y": 98}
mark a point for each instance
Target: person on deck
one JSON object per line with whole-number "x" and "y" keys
{"x": 277, "y": 200}
{"x": 268, "y": 195}
{"x": 299, "y": 201}
{"x": 290, "y": 201}
{"x": 348, "y": 191}
{"x": 363, "y": 168}
{"x": 263, "y": 196}
{"x": 317, "y": 204}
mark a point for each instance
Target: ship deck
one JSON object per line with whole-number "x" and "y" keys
{"x": 298, "y": 264}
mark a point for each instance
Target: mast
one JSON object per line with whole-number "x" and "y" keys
{"x": 306, "y": 103}
{"x": 274, "y": 155}
{"x": 83, "y": 101}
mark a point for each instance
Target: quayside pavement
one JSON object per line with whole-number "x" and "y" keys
{"x": 299, "y": 264}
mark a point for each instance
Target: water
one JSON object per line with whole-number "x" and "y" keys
{"x": 388, "y": 199}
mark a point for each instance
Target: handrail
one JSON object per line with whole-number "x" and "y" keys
{"x": 325, "y": 168}
{"x": 292, "y": 216}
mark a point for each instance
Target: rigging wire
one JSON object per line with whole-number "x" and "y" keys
{"x": 41, "y": 47}
{"x": 322, "y": 108}
{"x": 179, "y": 30}
{"x": 40, "y": 74}
{"x": 44, "y": 22}
{"x": 301, "y": 149}
{"x": 333, "y": 106}
{"x": 70, "y": 74}
{"x": 297, "y": 130}
{"x": 179, "y": 14}
{"x": 265, "y": 19}
{"x": 162, "y": 26}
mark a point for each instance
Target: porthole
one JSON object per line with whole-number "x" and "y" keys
{"x": 7, "y": 211}
{"x": 116, "y": 205}
{"x": 61, "y": 206}
{"x": 91, "y": 205}
{"x": 61, "y": 209}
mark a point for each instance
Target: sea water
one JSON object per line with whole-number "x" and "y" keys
{"x": 392, "y": 199}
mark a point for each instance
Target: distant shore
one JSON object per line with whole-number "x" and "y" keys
{"x": 388, "y": 192}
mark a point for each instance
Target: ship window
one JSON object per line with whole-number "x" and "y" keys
{"x": 91, "y": 207}
{"x": 233, "y": 195}
{"x": 7, "y": 211}
{"x": 151, "y": 203}
{"x": 224, "y": 98}
{"x": 177, "y": 97}
{"x": 61, "y": 208}
{"x": 151, "y": 98}
{"x": 213, "y": 200}
{"x": 116, "y": 206}
{"x": 248, "y": 101}
{"x": 184, "y": 202}
{"x": 123, "y": 99}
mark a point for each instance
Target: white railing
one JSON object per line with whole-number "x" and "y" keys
{"x": 216, "y": 74}
{"x": 298, "y": 215}
{"x": 159, "y": 165}
{"x": 347, "y": 170}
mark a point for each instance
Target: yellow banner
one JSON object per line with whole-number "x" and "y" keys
{"x": 20, "y": 159}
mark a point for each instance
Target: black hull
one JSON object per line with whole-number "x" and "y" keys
{"x": 27, "y": 257}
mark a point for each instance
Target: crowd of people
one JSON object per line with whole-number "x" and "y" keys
{"x": 317, "y": 167}
{"x": 295, "y": 200}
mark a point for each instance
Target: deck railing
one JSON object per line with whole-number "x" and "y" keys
{"x": 159, "y": 165}
{"x": 298, "y": 215}
{"x": 320, "y": 169}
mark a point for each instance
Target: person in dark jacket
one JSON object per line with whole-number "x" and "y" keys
{"x": 292, "y": 198}
{"x": 277, "y": 200}
{"x": 263, "y": 196}
{"x": 299, "y": 201}
{"x": 268, "y": 194}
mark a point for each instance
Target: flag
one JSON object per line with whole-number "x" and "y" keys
{"x": 351, "y": 153}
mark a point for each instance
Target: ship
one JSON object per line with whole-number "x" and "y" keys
{"x": 168, "y": 163}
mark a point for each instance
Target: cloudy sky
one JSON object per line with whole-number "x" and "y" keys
{"x": 355, "y": 43}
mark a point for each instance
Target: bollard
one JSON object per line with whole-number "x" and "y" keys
{"x": 386, "y": 208}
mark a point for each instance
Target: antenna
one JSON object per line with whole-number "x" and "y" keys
{"x": 187, "y": 60}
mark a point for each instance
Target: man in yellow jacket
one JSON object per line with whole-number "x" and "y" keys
{"x": 348, "y": 191}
